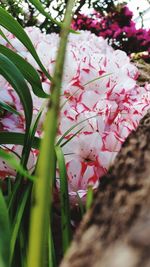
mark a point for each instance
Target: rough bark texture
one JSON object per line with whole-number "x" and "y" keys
{"x": 144, "y": 69}
{"x": 116, "y": 231}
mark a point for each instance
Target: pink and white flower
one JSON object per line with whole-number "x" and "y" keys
{"x": 99, "y": 95}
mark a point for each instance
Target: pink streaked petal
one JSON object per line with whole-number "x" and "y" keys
{"x": 74, "y": 169}
{"x": 113, "y": 142}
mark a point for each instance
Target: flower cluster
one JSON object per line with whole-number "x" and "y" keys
{"x": 118, "y": 27}
{"x": 101, "y": 104}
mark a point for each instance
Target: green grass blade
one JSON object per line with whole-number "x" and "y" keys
{"x": 9, "y": 23}
{"x": 64, "y": 198}
{"x": 41, "y": 9}
{"x": 8, "y": 108}
{"x": 12, "y": 74}
{"x": 51, "y": 250}
{"x": 29, "y": 73}
{"x": 13, "y": 138}
{"x": 64, "y": 103}
{"x": 91, "y": 81}
{"x": 17, "y": 221}
{"x": 68, "y": 140}
{"x": 11, "y": 160}
{"x": 98, "y": 78}
{"x": 4, "y": 234}
{"x": 4, "y": 37}
{"x": 34, "y": 124}
{"x": 30, "y": 140}
{"x": 72, "y": 128}
{"x": 18, "y": 138}
{"x": 81, "y": 205}
{"x": 46, "y": 164}
{"x": 22, "y": 246}
{"x": 89, "y": 198}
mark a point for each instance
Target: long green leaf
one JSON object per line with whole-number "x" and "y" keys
{"x": 91, "y": 81}
{"x": 29, "y": 73}
{"x": 17, "y": 221}
{"x": 12, "y": 74}
{"x": 64, "y": 198}
{"x": 41, "y": 9}
{"x": 69, "y": 139}
{"x": 81, "y": 205}
{"x": 98, "y": 78}
{"x": 4, "y": 37}
{"x": 8, "y": 22}
{"x": 11, "y": 160}
{"x": 43, "y": 186}
{"x": 7, "y": 107}
{"x": 89, "y": 197}
{"x": 51, "y": 250}
{"x": 30, "y": 140}
{"x": 4, "y": 233}
{"x": 73, "y": 127}
{"x": 13, "y": 138}
{"x": 18, "y": 138}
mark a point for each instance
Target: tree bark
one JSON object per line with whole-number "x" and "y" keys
{"x": 116, "y": 231}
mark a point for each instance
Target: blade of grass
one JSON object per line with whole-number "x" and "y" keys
{"x": 4, "y": 233}
{"x": 63, "y": 104}
{"x": 68, "y": 140}
{"x": 37, "y": 4}
{"x": 29, "y": 73}
{"x": 41, "y": 9}
{"x": 46, "y": 165}
{"x": 81, "y": 206}
{"x": 11, "y": 160}
{"x": 14, "y": 138}
{"x": 51, "y": 250}
{"x": 7, "y": 107}
{"x": 22, "y": 241}
{"x": 73, "y": 127}
{"x": 12, "y": 25}
{"x": 89, "y": 197}
{"x": 32, "y": 131}
{"x": 17, "y": 221}
{"x": 12, "y": 74}
{"x": 26, "y": 152}
{"x": 64, "y": 199}
{"x": 98, "y": 78}
{"x": 4, "y": 37}
{"x": 31, "y": 140}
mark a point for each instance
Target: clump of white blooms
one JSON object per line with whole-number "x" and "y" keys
{"x": 99, "y": 94}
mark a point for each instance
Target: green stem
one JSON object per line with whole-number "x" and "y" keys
{"x": 42, "y": 194}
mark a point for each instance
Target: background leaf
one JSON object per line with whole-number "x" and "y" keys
{"x": 17, "y": 221}
{"x": 29, "y": 73}
{"x": 64, "y": 198}
{"x": 14, "y": 138}
{"x": 8, "y": 108}
{"x": 15, "y": 164}
{"x": 46, "y": 167}
{"x": 89, "y": 197}
{"x": 12, "y": 74}
{"x": 4, "y": 37}
{"x": 41, "y": 9}
{"x": 8, "y": 22}
{"x": 4, "y": 234}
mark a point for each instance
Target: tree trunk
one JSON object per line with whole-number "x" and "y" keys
{"x": 116, "y": 231}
